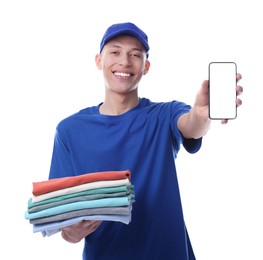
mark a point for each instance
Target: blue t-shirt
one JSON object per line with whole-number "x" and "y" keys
{"x": 144, "y": 140}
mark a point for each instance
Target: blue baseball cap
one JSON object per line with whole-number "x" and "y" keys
{"x": 125, "y": 29}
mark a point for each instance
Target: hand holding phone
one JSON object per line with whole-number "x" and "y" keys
{"x": 222, "y": 90}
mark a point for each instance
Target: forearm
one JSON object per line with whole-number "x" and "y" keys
{"x": 195, "y": 123}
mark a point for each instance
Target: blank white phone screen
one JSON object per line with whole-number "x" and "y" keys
{"x": 222, "y": 90}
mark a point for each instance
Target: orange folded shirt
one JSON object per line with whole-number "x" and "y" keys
{"x": 43, "y": 187}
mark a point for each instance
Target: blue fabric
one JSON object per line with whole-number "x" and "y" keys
{"x": 125, "y": 29}
{"x": 49, "y": 229}
{"x": 146, "y": 141}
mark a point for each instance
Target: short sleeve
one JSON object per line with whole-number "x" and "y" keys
{"x": 192, "y": 145}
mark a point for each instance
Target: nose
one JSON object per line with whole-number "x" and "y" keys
{"x": 125, "y": 60}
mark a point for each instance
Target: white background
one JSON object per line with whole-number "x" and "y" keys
{"x": 47, "y": 72}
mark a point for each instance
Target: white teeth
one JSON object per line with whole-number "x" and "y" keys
{"x": 122, "y": 74}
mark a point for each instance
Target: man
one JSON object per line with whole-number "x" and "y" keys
{"x": 129, "y": 132}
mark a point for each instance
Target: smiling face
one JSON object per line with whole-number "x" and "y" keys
{"x": 123, "y": 62}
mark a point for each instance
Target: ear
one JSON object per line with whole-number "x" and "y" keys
{"x": 98, "y": 61}
{"x": 146, "y": 67}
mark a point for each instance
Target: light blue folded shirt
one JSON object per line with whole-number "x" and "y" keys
{"x": 52, "y": 228}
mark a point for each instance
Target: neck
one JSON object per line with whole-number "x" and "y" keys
{"x": 118, "y": 106}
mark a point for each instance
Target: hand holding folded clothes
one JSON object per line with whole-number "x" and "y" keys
{"x": 61, "y": 202}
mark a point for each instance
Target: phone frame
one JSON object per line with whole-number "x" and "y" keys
{"x": 212, "y": 116}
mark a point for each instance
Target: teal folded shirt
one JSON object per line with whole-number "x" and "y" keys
{"x": 106, "y": 202}
{"x": 124, "y": 188}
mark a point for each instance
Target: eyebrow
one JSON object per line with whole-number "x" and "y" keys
{"x": 118, "y": 46}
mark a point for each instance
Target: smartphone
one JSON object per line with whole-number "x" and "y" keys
{"x": 222, "y": 90}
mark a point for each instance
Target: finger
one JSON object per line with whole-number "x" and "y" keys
{"x": 205, "y": 85}
{"x": 239, "y": 90}
{"x": 238, "y": 102}
{"x": 89, "y": 223}
{"x": 239, "y": 76}
{"x": 224, "y": 121}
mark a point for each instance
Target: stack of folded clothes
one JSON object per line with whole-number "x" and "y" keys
{"x": 60, "y": 202}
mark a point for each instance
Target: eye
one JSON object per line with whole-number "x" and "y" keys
{"x": 136, "y": 54}
{"x": 114, "y": 52}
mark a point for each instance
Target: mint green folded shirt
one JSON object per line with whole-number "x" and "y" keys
{"x": 106, "y": 202}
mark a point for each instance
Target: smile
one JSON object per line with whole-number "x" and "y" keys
{"x": 121, "y": 74}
